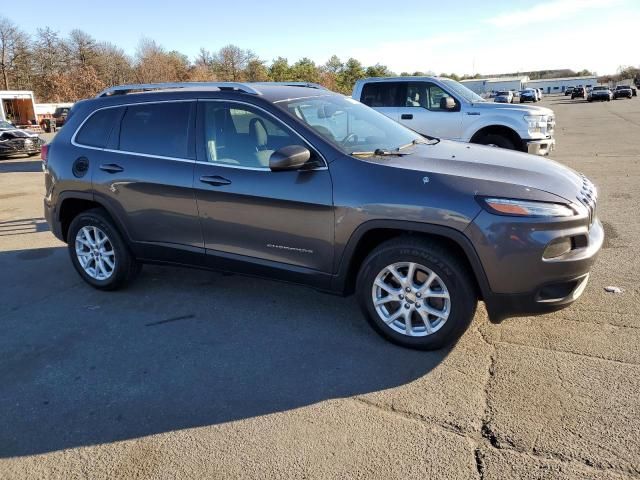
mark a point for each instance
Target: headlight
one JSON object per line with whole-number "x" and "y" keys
{"x": 536, "y": 123}
{"x": 526, "y": 208}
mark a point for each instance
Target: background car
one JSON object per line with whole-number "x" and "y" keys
{"x": 503, "y": 96}
{"x": 60, "y": 115}
{"x": 578, "y": 92}
{"x": 19, "y": 142}
{"x": 600, "y": 92}
{"x": 568, "y": 91}
{"x": 622, "y": 91}
{"x": 528, "y": 95}
{"x": 4, "y": 125}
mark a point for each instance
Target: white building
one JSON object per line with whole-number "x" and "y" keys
{"x": 488, "y": 85}
{"x": 559, "y": 85}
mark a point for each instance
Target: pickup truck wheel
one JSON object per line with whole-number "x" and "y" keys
{"x": 99, "y": 253}
{"x": 416, "y": 294}
{"x": 495, "y": 140}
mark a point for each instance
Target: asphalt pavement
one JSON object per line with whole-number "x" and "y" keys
{"x": 196, "y": 374}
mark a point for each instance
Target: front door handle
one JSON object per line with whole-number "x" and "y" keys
{"x": 215, "y": 180}
{"x": 111, "y": 168}
{"x": 406, "y": 116}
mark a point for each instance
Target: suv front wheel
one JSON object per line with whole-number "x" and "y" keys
{"x": 416, "y": 293}
{"x": 98, "y": 252}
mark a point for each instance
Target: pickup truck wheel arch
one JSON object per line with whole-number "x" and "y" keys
{"x": 499, "y": 131}
{"x": 372, "y": 233}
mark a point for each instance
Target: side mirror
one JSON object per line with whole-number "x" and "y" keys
{"x": 291, "y": 157}
{"x": 448, "y": 103}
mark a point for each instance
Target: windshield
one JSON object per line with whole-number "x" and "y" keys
{"x": 462, "y": 91}
{"x": 502, "y": 93}
{"x": 349, "y": 125}
{"x": 599, "y": 88}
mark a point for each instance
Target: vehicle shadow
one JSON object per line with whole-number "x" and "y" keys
{"x": 23, "y": 226}
{"x": 23, "y": 166}
{"x": 567, "y": 102}
{"x": 178, "y": 349}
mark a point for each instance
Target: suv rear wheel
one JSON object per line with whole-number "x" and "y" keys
{"x": 416, "y": 293}
{"x": 98, "y": 251}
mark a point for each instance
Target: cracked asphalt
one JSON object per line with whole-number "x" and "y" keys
{"x": 193, "y": 374}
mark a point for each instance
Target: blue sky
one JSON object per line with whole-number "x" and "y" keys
{"x": 462, "y": 36}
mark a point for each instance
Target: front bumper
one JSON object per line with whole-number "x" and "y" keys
{"x": 520, "y": 280}
{"x": 539, "y": 147}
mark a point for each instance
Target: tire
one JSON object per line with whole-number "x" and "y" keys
{"x": 124, "y": 267}
{"x": 497, "y": 141}
{"x": 452, "y": 278}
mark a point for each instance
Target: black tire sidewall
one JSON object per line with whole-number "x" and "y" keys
{"x": 125, "y": 264}
{"x": 498, "y": 140}
{"x": 462, "y": 295}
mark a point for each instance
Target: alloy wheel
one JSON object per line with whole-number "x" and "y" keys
{"x": 411, "y": 299}
{"x": 95, "y": 253}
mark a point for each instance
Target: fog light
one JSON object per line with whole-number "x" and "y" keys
{"x": 557, "y": 248}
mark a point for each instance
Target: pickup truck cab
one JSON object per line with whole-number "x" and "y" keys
{"x": 443, "y": 108}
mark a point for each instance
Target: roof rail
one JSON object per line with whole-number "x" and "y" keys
{"x": 292, "y": 84}
{"x": 124, "y": 89}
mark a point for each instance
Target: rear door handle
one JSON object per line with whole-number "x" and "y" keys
{"x": 406, "y": 116}
{"x": 215, "y": 180}
{"x": 111, "y": 168}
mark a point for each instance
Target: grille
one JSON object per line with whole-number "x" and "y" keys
{"x": 588, "y": 196}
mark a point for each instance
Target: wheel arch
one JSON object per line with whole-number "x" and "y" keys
{"x": 373, "y": 233}
{"x": 501, "y": 130}
{"x": 71, "y": 204}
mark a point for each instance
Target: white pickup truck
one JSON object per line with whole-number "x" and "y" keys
{"x": 443, "y": 108}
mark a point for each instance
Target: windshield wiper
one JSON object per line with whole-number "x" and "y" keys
{"x": 380, "y": 153}
{"x": 417, "y": 141}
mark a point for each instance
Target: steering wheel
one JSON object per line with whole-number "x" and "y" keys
{"x": 351, "y": 138}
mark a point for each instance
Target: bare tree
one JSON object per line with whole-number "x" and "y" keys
{"x": 13, "y": 47}
{"x": 230, "y": 63}
{"x": 114, "y": 67}
{"x": 83, "y": 49}
{"x": 154, "y": 64}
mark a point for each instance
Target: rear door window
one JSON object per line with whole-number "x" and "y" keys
{"x": 96, "y": 130}
{"x": 382, "y": 94}
{"x": 160, "y": 129}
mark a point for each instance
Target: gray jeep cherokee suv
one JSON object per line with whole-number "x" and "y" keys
{"x": 300, "y": 184}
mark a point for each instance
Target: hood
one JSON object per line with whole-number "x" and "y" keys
{"x": 19, "y": 132}
{"x": 509, "y": 107}
{"x": 493, "y": 171}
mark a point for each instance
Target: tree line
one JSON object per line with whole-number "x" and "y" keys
{"x": 68, "y": 68}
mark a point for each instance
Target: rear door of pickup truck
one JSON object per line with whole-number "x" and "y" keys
{"x": 385, "y": 97}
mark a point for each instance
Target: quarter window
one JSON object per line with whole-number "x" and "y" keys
{"x": 157, "y": 129}
{"x": 96, "y": 130}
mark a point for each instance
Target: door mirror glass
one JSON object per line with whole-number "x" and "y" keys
{"x": 291, "y": 157}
